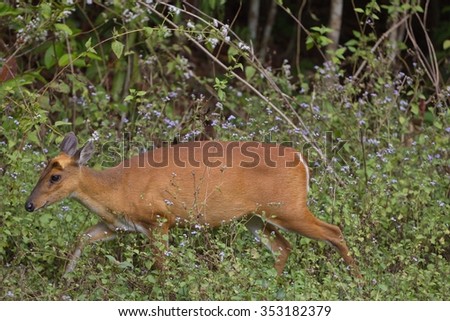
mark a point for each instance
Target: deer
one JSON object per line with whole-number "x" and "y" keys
{"x": 210, "y": 183}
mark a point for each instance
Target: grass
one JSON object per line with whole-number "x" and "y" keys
{"x": 377, "y": 145}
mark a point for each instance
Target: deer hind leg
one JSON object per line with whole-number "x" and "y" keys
{"x": 272, "y": 239}
{"x": 96, "y": 233}
{"x": 312, "y": 227}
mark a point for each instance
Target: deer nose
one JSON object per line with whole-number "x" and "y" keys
{"x": 29, "y": 206}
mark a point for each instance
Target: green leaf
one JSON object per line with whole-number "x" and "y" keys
{"x": 418, "y": 9}
{"x": 111, "y": 259}
{"x": 64, "y": 28}
{"x": 46, "y": 10}
{"x": 249, "y": 72}
{"x": 437, "y": 124}
{"x": 64, "y": 60}
{"x": 232, "y": 52}
{"x": 93, "y": 56}
{"x": 45, "y": 218}
{"x": 239, "y": 66}
{"x": 309, "y": 43}
{"x": 324, "y": 41}
{"x": 148, "y": 31}
{"x": 322, "y": 29}
{"x": 60, "y": 87}
{"x": 32, "y": 137}
{"x": 446, "y": 44}
{"x": 62, "y": 123}
{"x": 340, "y": 52}
{"x": 125, "y": 265}
{"x": 429, "y": 117}
{"x": 50, "y": 58}
{"x": 88, "y": 43}
{"x": 221, "y": 94}
{"x": 6, "y": 10}
{"x": 151, "y": 279}
{"x": 117, "y": 48}
{"x": 357, "y": 34}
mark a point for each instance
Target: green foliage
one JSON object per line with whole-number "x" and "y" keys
{"x": 318, "y": 38}
{"x": 127, "y": 75}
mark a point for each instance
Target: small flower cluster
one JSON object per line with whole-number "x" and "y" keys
{"x": 191, "y": 135}
{"x": 224, "y": 31}
{"x": 95, "y": 136}
{"x": 174, "y": 10}
{"x": 80, "y": 101}
{"x": 329, "y": 70}
{"x": 170, "y": 96}
{"x": 216, "y": 35}
{"x": 16, "y": 122}
{"x": 243, "y": 46}
{"x": 185, "y": 67}
{"x": 129, "y": 15}
{"x": 32, "y": 32}
{"x": 229, "y": 123}
{"x": 381, "y": 154}
{"x": 171, "y": 123}
{"x": 373, "y": 141}
{"x": 213, "y": 42}
{"x": 286, "y": 67}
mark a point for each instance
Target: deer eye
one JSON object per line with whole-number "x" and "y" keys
{"x": 55, "y": 178}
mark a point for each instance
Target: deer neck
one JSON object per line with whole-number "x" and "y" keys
{"x": 97, "y": 190}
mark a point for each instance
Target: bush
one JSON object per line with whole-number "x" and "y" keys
{"x": 128, "y": 73}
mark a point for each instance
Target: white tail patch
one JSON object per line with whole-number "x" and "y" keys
{"x": 302, "y": 160}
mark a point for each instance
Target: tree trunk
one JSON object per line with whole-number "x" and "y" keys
{"x": 253, "y": 17}
{"x": 268, "y": 30}
{"x": 335, "y": 24}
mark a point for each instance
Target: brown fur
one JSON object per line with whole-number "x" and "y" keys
{"x": 199, "y": 184}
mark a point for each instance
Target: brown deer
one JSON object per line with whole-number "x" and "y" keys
{"x": 208, "y": 183}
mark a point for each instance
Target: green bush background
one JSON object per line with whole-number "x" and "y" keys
{"x": 131, "y": 76}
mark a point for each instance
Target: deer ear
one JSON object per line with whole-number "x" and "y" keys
{"x": 85, "y": 153}
{"x": 69, "y": 144}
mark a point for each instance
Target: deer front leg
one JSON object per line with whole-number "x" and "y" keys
{"x": 96, "y": 233}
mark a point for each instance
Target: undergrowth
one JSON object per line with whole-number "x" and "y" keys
{"x": 135, "y": 75}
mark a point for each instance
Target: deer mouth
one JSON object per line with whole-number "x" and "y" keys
{"x": 43, "y": 205}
